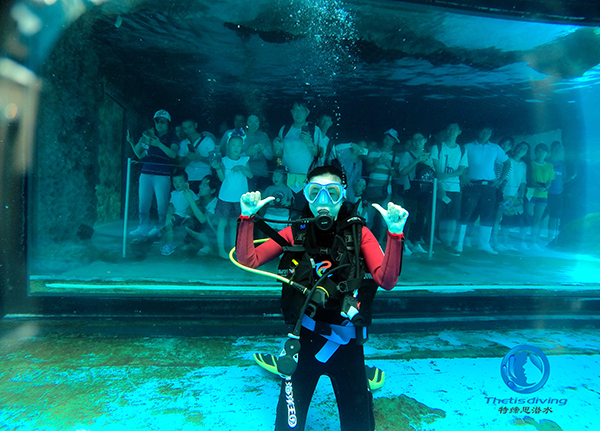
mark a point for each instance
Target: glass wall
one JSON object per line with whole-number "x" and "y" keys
{"x": 369, "y": 67}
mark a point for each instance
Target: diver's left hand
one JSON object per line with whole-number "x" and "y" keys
{"x": 395, "y": 217}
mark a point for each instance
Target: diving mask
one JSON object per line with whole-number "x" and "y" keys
{"x": 324, "y": 192}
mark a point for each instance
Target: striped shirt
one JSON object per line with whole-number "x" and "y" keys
{"x": 157, "y": 162}
{"x": 380, "y": 174}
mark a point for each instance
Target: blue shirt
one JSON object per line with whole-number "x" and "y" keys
{"x": 557, "y": 186}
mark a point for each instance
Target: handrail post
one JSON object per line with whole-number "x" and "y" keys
{"x": 432, "y": 218}
{"x": 126, "y": 213}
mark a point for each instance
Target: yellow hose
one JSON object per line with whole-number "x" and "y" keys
{"x": 258, "y": 271}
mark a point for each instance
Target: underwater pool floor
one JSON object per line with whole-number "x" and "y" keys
{"x": 93, "y": 375}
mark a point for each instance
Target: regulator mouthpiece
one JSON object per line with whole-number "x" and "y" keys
{"x": 324, "y": 220}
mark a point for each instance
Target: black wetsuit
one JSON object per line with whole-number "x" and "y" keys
{"x": 346, "y": 368}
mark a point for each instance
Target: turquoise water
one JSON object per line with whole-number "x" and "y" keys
{"x": 76, "y": 77}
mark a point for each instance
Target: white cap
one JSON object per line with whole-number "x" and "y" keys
{"x": 162, "y": 114}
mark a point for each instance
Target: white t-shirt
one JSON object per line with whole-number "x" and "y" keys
{"x": 406, "y": 159}
{"x": 211, "y": 206}
{"x": 296, "y": 155}
{"x": 482, "y": 158}
{"x": 235, "y": 184}
{"x": 197, "y": 169}
{"x": 450, "y": 160}
{"x": 516, "y": 176}
{"x": 180, "y": 203}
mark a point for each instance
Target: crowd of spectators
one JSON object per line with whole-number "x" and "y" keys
{"x": 493, "y": 197}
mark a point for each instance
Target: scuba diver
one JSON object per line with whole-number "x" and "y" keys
{"x": 332, "y": 266}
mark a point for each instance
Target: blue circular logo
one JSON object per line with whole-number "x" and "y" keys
{"x": 525, "y": 369}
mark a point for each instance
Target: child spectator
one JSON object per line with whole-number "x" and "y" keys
{"x": 203, "y": 209}
{"x": 358, "y": 187}
{"x": 541, "y": 176}
{"x": 233, "y": 171}
{"x": 279, "y": 208}
{"x": 239, "y": 123}
{"x": 178, "y": 213}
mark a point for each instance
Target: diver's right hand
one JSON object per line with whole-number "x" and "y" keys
{"x": 251, "y": 203}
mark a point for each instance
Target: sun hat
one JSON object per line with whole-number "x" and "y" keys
{"x": 392, "y": 133}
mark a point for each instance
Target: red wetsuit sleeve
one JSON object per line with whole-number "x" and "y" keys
{"x": 385, "y": 268}
{"x": 253, "y": 257}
